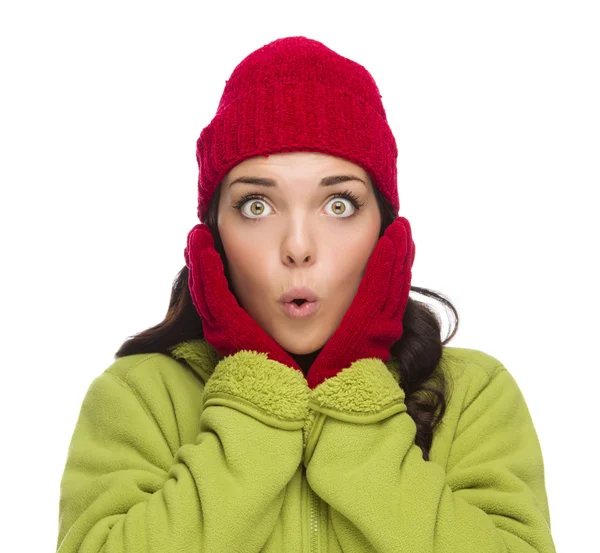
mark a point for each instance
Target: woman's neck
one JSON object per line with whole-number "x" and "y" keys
{"x": 305, "y": 360}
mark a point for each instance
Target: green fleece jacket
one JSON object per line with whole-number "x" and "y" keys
{"x": 191, "y": 452}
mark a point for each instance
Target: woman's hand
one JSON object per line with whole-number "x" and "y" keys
{"x": 228, "y": 328}
{"x": 373, "y": 322}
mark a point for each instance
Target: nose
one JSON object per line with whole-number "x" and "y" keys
{"x": 305, "y": 261}
{"x": 298, "y": 247}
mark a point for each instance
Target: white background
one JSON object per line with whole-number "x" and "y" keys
{"x": 495, "y": 108}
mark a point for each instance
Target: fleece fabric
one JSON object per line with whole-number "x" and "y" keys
{"x": 191, "y": 452}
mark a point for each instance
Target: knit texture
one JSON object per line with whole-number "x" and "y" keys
{"x": 296, "y": 94}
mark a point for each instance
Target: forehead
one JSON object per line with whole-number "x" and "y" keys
{"x": 292, "y": 162}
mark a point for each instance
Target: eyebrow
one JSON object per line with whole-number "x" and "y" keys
{"x": 327, "y": 181}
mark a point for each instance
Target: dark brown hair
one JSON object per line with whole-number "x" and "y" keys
{"x": 418, "y": 351}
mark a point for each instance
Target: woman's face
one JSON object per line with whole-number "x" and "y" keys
{"x": 297, "y": 232}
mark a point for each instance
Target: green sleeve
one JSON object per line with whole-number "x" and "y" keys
{"x": 130, "y": 485}
{"x": 385, "y": 498}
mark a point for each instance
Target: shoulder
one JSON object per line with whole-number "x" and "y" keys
{"x": 460, "y": 365}
{"x": 156, "y": 377}
{"x": 132, "y": 368}
{"x": 483, "y": 399}
{"x": 469, "y": 371}
{"x": 167, "y": 389}
{"x": 469, "y": 363}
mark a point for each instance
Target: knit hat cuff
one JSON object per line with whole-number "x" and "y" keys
{"x": 297, "y": 116}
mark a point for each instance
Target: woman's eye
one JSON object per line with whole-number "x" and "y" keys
{"x": 257, "y": 207}
{"x": 341, "y": 206}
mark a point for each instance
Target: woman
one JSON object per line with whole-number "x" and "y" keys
{"x": 295, "y": 398}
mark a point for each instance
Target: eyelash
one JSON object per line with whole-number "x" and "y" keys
{"x": 347, "y": 194}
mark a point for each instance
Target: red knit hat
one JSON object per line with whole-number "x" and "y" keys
{"x": 296, "y": 94}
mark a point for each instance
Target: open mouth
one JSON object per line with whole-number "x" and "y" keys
{"x": 300, "y": 308}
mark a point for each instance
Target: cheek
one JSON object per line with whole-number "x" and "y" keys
{"x": 348, "y": 260}
{"x": 247, "y": 265}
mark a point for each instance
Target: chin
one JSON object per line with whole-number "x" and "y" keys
{"x": 300, "y": 349}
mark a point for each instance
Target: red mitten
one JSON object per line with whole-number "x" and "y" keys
{"x": 373, "y": 321}
{"x": 227, "y": 327}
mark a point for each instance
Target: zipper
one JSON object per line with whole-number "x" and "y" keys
{"x": 313, "y": 508}
{"x": 314, "y": 521}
